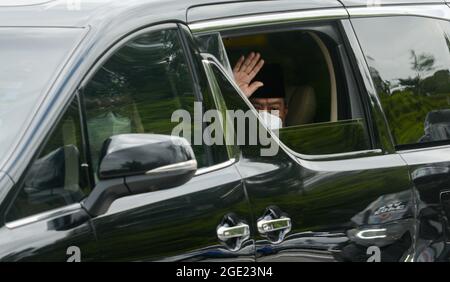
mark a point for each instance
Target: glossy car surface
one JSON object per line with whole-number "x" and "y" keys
{"x": 378, "y": 202}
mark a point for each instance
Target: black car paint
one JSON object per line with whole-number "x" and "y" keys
{"x": 321, "y": 230}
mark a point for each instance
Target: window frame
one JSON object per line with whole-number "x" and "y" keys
{"x": 305, "y": 20}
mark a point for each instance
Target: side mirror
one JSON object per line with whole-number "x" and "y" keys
{"x": 437, "y": 126}
{"x": 139, "y": 163}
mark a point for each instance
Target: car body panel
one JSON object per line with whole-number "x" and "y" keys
{"x": 178, "y": 224}
{"x": 330, "y": 210}
{"x": 430, "y": 173}
{"x": 60, "y": 236}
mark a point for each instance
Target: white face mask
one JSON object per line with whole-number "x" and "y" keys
{"x": 272, "y": 122}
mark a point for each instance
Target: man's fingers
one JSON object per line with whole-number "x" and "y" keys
{"x": 238, "y": 65}
{"x": 256, "y": 69}
{"x": 247, "y": 62}
{"x": 253, "y": 87}
{"x": 253, "y": 63}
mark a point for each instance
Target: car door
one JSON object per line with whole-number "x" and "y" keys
{"x": 139, "y": 87}
{"x": 315, "y": 200}
{"x": 415, "y": 95}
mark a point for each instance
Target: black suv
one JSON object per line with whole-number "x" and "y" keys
{"x": 89, "y": 170}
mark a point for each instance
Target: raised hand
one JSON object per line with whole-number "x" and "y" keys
{"x": 245, "y": 71}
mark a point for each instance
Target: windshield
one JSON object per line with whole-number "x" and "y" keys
{"x": 30, "y": 59}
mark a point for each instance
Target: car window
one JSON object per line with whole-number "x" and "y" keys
{"x": 303, "y": 70}
{"x": 245, "y": 130}
{"x": 56, "y": 178}
{"x": 30, "y": 59}
{"x": 409, "y": 60}
{"x": 138, "y": 89}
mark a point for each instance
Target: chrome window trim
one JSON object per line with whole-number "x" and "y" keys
{"x": 424, "y": 149}
{"x": 355, "y": 164}
{"x": 429, "y": 155}
{"x": 43, "y": 216}
{"x": 209, "y": 169}
{"x": 264, "y": 19}
{"x": 187, "y": 165}
{"x": 338, "y": 156}
{"x": 435, "y": 11}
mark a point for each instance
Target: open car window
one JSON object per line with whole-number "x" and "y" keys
{"x": 324, "y": 113}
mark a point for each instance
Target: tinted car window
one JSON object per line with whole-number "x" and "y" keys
{"x": 56, "y": 178}
{"x": 29, "y": 60}
{"x": 314, "y": 139}
{"x": 409, "y": 60}
{"x": 138, "y": 89}
{"x": 322, "y": 113}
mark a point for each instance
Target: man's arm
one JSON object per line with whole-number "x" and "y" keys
{"x": 245, "y": 71}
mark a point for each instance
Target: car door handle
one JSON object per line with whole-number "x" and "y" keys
{"x": 240, "y": 231}
{"x": 269, "y": 225}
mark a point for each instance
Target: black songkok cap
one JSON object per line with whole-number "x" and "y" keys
{"x": 271, "y": 75}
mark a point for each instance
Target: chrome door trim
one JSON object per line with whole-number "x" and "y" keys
{"x": 43, "y": 216}
{"x": 357, "y": 164}
{"x": 337, "y": 156}
{"x": 215, "y": 167}
{"x": 267, "y": 19}
{"x": 429, "y": 155}
{"x": 436, "y": 11}
{"x": 190, "y": 165}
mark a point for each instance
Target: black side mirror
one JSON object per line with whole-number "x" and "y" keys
{"x": 437, "y": 126}
{"x": 139, "y": 163}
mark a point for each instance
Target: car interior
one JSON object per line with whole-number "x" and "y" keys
{"x": 320, "y": 93}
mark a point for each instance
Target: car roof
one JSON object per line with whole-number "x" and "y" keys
{"x": 81, "y": 13}
{"x": 230, "y": 9}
